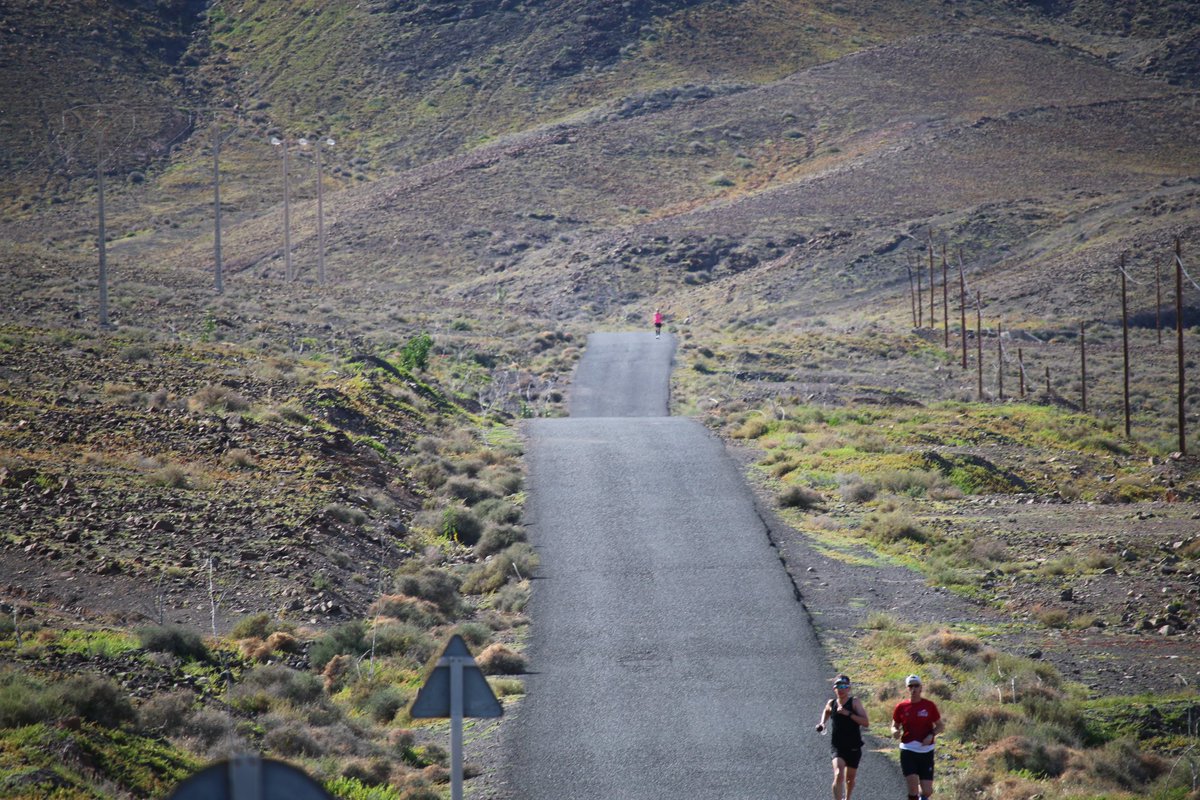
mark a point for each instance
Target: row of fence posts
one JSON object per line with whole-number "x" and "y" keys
{"x": 917, "y": 298}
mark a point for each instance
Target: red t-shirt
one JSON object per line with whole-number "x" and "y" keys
{"x": 916, "y": 720}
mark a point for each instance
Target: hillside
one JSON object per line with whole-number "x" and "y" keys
{"x": 288, "y": 467}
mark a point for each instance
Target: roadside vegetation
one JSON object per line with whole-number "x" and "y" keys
{"x": 1045, "y": 516}
{"x": 364, "y": 508}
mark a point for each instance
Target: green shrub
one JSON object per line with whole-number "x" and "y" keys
{"x": 753, "y": 428}
{"x": 1120, "y": 764}
{"x": 277, "y": 682}
{"x": 382, "y": 704}
{"x": 97, "y": 700}
{"x": 469, "y": 490}
{"x": 894, "y": 526}
{"x": 402, "y": 639}
{"x": 460, "y": 525}
{"x": 516, "y": 562}
{"x": 984, "y": 725}
{"x": 498, "y": 537}
{"x": 415, "y": 353}
{"x": 476, "y": 634}
{"x": 292, "y": 739}
{"x": 434, "y": 585}
{"x": 25, "y": 701}
{"x": 349, "y": 638}
{"x": 174, "y": 639}
{"x": 497, "y": 510}
{"x": 512, "y": 597}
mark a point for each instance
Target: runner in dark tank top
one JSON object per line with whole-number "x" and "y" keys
{"x": 848, "y": 717}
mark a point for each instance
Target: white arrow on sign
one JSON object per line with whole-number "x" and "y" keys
{"x": 456, "y": 688}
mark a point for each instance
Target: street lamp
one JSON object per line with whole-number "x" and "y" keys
{"x": 287, "y": 216}
{"x": 329, "y": 142}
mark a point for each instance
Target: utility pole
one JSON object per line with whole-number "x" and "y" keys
{"x": 962, "y": 306}
{"x": 1179, "y": 342}
{"x": 1125, "y": 342}
{"x": 945, "y": 302}
{"x": 219, "y": 279}
{"x": 287, "y": 211}
{"x": 101, "y": 239}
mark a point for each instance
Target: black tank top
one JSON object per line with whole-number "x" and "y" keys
{"x": 847, "y": 734}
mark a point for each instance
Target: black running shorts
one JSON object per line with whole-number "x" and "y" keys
{"x": 850, "y": 755}
{"x": 919, "y": 764}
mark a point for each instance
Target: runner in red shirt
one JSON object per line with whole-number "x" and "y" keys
{"x": 658, "y": 322}
{"x": 916, "y": 722}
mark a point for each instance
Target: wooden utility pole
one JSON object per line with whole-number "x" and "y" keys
{"x": 945, "y": 302}
{"x": 920, "y": 298}
{"x": 101, "y": 239}
{"x": 1158, "y": 300}
{"x": 219, "y": 278}
{"x": 1083, "y": 367}
{"x": 912, "y": 296}
{"x": 932, "y": 285}
{"x": 962, "y": 307}
{"x": 1021, "y": 371}
{"x": 979, "y": 346}
{"x": 1000, "y": 360}
{"x": 1179, "y": 342}
{"x": 1125, "y": 341}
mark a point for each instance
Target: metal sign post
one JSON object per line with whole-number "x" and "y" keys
{"x": 456, "y": 689}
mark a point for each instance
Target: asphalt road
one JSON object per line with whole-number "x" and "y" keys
{"x": 670, "y": 659}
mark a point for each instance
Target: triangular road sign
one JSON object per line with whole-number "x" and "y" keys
{"x": 433, "y": 700}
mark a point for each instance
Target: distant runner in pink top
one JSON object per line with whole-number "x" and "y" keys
{"x": 658, "y": 320}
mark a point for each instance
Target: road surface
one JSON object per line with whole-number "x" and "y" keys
{"x": 670, "y": 659}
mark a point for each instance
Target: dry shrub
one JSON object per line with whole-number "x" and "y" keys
{"x": 337, "y": 669}
{"x": 403, "y": 608}
{"x": 469, "y": 490}
{"x": 496, "y": 659}
{"x": 260, "y": 650}
{"x": 292, "y": 739}
{"x": 948, "y": 647}
{"x": 856, "y": 490}
{"x": 436, "y": 773}
{"x": 799, "y": 497}
{"x": 369, "y": 772}
{"x": 209, "y": 726}
{"x": 1117, "y": 765}
{"x": 1021, "y": 753}
{"x": 238, "y": 458}
{"x": 166, "y": 714}
{"x": 217, "y": 398}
